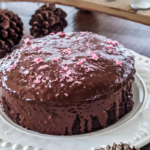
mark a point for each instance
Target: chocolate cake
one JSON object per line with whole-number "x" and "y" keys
{"x": 67, "y": 83}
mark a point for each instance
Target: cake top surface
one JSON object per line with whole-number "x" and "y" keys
{"x": 74, "y": 66}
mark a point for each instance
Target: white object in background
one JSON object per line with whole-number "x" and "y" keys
{"x": 140, "y": 4}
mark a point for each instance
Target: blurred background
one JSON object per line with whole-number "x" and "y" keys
{"x": 132, "y": 35}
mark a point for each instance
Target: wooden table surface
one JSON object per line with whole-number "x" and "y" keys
{"x": 132, "y": 35}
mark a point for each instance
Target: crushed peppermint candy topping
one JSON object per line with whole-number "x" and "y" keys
{"x": 43, "y": 67}
{"x": 79, "y": 63}
{"x": 26, "y": 72}
{"x": 31, "y": 68}
{"x": 66, "y": 94}
{"x": 83, "y": 66}
{"x": 11, "y": 67}
{"x": 37, "y": 80}
{"x": 88, "y": 69}
{"x": 37, "y": 60}
{"x": 55, "y": 59}
{"x": 78, "y": 82}
{"x": 39, "y": 51}
{"x": 36, "y": 47}
{"x": 56, "y": 95}
{"x": 94, "y": 57}
{"x": 109, "y": 46}
{"x": 66, "y": 68}
{"x": 115, "y": 53}
{"x": 44, "y": 81}
{"x": 118, "y": 62}
{"x": 68, "y": 49}
{"x": 69, "y": 72}
{"x": 70, "y": 80}
{"x": 27, "y": 41}
{"x": 69, "y": 53}
{"x": 62, "y": 79}
{"x": 31, "y": 77}
{"x": 7, "y": 57}
{"x": 51, "y": 33}
{"x": 90, "y": 54}
{"x": 39, "y": 76}
{"x": 102, "y": 44}
{"x": 87, "y": 44}
{"x": 61, "y": 33}
{"x": 47, "y": 78}
{"x": 114, "y": 43}
{"x": 108, "y": 42}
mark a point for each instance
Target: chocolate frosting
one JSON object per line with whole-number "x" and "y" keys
{"x": 65, "y": 75}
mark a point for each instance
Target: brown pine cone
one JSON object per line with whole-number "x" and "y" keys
{"x": 121, "y": 146}
{"x": 47, "y": 19}
{"x": 11, "y": 31}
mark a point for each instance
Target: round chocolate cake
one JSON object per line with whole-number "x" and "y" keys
{"x": 65, "y": 84}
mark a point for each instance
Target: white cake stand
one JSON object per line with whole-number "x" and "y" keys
{"x": 133, "y": 129}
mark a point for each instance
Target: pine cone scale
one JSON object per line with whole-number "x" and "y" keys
{"x": 4, "y": 33}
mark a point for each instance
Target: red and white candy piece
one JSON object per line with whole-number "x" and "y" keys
{"x": 37, "y": 60}
{"x": 55, "y": 59}
{"x": 65, "y": 68}
{"x": 87, "y": 44}
{"x": 37, "y": 80}
{"x": 31, "y": 77}
{"x": 109, "y": 46}
{"x": 11, "y": 67}
{"x": 43, "y": 67}
{"x": 114, "y": 43}
{"x": 78, "y": 82}
{"x": 94, "y": 57}
{"x": 67, "y": 51}
{"x": 90, "y": 54}
{"x": 40, "y": 51}
{"x": 60, "y": 33}
{"x": 70, "y": 79}
{"x": 118, "y": 62}
{"x": 79, "y": 63}
{"x": 36, "y": 48}
{"x": 102, "y": 44}
{"x": 27, "y": 41}
{"x": 66, "y": 94}
{"x": 51, "y": 33}
{"x": 31, "y": 68}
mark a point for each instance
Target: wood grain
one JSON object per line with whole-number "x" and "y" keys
{"x": 120, "y": 8}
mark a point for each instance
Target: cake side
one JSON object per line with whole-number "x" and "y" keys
{"x": 81, "y": 81}
{"x": 50, "y": 119}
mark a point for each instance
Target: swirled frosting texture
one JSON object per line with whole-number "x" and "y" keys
{"x": 72, "y": 70}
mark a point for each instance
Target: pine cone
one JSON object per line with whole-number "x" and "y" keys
{"x": 47, "y": 19}
{"x": 11, "y": 31}
{"x": 121, "y": 146}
